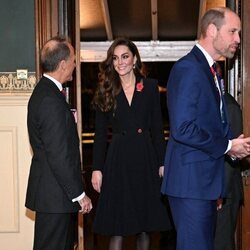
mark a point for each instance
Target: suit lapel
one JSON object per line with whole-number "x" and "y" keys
{"x": 201, "y": 59}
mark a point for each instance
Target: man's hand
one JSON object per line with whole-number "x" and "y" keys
{"x": 96, "y": 180}
{"x": 240, "y": 147}
{"x": 219, "y": 203}
{"x": 86, "y": 205}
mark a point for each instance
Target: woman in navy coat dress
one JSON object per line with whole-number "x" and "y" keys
{"x": 127, "y": 172}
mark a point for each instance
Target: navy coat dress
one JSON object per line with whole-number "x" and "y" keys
{"x": 130, "y": 200}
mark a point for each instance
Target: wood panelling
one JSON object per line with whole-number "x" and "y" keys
{"x": 16, "y": 222}
{"x": 246, "y": 64}
{"x": 8, "y": 180}
{"x": 46, "y": 17}
{"x": 245, "y": 216}
{"x": 215, "y": 3}
{"x": 245, "y": 72}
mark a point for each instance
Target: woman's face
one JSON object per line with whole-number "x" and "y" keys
{"x": 123, "y": 60}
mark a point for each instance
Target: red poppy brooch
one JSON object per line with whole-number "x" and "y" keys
{"x": 139, "y": 86}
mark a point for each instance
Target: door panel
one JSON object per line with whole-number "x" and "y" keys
{"x": 245, "y": 212}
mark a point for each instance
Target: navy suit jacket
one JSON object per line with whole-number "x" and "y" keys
{"x": 194, "y": 162}
{"x": 55, "y": 172}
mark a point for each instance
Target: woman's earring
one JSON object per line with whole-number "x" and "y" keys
{"x": 133, "y": 66}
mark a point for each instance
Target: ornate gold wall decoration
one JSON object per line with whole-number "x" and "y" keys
{"x": 10, "y": 83}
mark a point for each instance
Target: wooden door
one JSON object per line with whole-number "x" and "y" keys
{"x": 245, "y": 213}
{"x": 245, "y": 77}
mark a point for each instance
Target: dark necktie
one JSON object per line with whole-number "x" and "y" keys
{"x": 63, "y": 91}
{"x": 216, "y": 81}
{"x": 213, "y": 70}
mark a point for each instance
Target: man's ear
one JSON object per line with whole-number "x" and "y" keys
{"x": 62, "y": 65}
{"x": 212, "y": 30}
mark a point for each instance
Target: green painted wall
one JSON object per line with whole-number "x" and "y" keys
{"x": 17, "y": 35}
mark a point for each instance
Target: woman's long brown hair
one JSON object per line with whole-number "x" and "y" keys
{"x": 109, "y": 81}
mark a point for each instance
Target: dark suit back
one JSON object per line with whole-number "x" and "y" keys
{"x": 227, "y": 216}
{"x": 55, "y": 174}
{"x": 233, "y": 179}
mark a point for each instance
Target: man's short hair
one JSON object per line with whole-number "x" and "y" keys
{"x": 53, "y": 52}
{"x": 214, "y": 16}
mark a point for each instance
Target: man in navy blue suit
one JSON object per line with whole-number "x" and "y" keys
{"x": 199, "y": 133}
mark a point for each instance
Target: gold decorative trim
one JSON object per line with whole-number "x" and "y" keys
{"x": 10, "y": 83}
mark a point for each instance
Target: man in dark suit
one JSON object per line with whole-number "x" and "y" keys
{"x": 199, "y": 133}
{"x": 55, "y": 188}
{"x": 227, "y": 215}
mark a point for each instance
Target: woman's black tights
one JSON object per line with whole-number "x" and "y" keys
{"x": 115, "y": 243}
{"x": 142, "y": 242}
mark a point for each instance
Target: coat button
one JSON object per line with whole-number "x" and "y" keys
{"x": 139, "y": 130}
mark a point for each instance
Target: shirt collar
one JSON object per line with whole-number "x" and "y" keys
{"x": 58, "y": 84}
{"x": 208, "y": 57}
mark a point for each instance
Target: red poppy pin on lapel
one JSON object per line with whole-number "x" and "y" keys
{"x": 139, "y": 86}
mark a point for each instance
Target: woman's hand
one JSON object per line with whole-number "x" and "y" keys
{"x": 96, "y": 180}
{"x": 161, "y": 171}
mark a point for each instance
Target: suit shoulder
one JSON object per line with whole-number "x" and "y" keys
{"x": 189, "y": 65}
{"x": 229, "y": 99}
{"x": 44, "y": 90}
{"x": 188, "y": 60}
{"x": 195, "y": 56}
{"x": 45, "y": 87}
{"x": 41, "y": 86}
